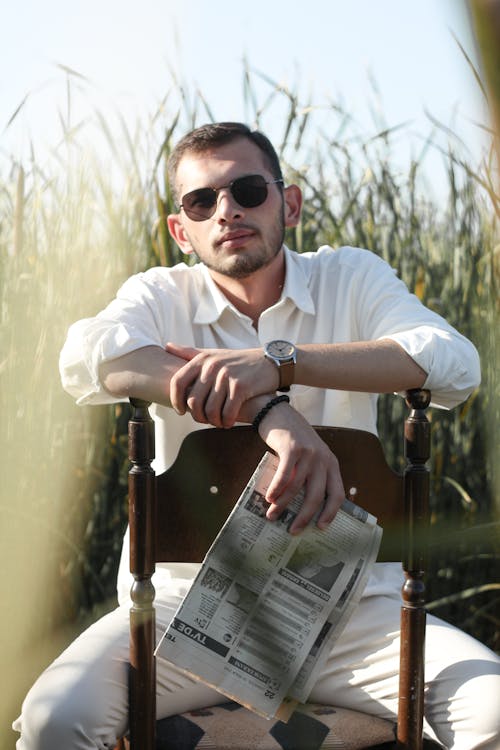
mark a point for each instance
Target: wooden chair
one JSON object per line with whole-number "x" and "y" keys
{"x": 175, "y": 517}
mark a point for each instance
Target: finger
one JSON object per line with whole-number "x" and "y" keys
{"x": 180, "y": 384}
{"x": 282, "y": 479}
{"x": 335, "y": 495}
{"x": 183, "y": 352}
{"x": 215, "y": 400}
{"x": 314, "y": 495}
{"x": 290, "y": 491}
{"x": 196, "y": 400}
{"x": 208, "y": 395}
{"x": 233, "y": 403}
{"x": 323, "y": 494}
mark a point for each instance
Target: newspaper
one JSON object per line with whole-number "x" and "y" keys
{"x": 265, "y": 608}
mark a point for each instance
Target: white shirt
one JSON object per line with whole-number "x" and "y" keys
{"x": 329, "y": 296}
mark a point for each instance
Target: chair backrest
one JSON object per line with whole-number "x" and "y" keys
{"x": 176, "y": 516}
{"x": 195, "y": 496}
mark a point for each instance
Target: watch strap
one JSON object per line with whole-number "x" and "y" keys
{"x": 286, "y": 372}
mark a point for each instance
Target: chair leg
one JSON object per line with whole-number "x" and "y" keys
{"x": 142, "y": 515}
{"x": 416, "y": 492}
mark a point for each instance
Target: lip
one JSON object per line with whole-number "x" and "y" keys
{"x": 236, "y": 238}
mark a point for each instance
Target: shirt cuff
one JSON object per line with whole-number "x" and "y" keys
{"x": 450, "y": 360}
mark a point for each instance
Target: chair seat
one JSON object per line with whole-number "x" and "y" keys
{"x": 311, "y": 727}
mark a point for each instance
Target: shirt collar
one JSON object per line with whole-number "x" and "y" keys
{"x": 213, "y": 302}
{"x": 296, "y": 287}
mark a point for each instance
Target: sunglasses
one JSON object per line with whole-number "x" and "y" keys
{"x": 248, "y": 192}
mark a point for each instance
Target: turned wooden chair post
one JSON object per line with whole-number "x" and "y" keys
{"x": 142, "y": 510}
{"x": 416, "y": 479}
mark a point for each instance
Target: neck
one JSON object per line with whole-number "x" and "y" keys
{"x": 255, "y": 293}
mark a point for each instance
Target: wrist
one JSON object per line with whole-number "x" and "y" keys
{"x": 283, "y": 355}
{"x": 264, "y": 411}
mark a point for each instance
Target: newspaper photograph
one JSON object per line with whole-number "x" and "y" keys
{"x": 265, "y": 608}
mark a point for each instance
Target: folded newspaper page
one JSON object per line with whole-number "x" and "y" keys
{"x": 265, "y": 608}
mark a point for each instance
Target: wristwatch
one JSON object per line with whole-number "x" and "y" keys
{"x": 284, "y": 356}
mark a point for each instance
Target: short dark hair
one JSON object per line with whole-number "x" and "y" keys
{"x": 219, "y": 134}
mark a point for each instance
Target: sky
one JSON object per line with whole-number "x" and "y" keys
{"x": 326, "y": 49}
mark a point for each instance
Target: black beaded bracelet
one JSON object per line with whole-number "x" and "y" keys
{"x": 262, "y": 413}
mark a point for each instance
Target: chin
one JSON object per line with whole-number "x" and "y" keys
{"x": 239, "y": 267}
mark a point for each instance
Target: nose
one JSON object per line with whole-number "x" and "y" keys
{"x": 227, "y": 208}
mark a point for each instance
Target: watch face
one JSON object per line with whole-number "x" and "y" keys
{"x": 280, "y": 349}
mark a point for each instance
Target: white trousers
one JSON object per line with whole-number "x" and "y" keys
{"x": 80, "y": 701}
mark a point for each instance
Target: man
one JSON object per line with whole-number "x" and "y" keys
{"x": 212, "y": 344}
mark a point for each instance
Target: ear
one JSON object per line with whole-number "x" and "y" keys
{"x": 178, "y": 233}
{"x": 293, "y": 205}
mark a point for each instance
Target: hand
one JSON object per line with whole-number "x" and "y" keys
{"x": 304, "y": 460}
{"x": 215, "y": 383}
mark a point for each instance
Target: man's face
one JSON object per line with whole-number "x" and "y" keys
{"x": 235, "y": 241}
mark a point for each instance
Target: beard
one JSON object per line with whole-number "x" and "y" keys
{"x": 243, "y": 263}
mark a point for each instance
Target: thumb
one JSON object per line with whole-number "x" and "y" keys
{"x": 183, "y": 352}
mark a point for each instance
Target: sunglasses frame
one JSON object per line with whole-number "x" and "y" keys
{"x": 215, "y": 192}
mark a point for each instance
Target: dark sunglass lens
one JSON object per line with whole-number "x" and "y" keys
{"x": 250, "y": 191}
{"x": 199, "y": 204}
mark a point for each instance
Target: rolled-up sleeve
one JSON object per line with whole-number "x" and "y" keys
{"x": 450, "y": 360}
{"x": 134, "y": 319}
